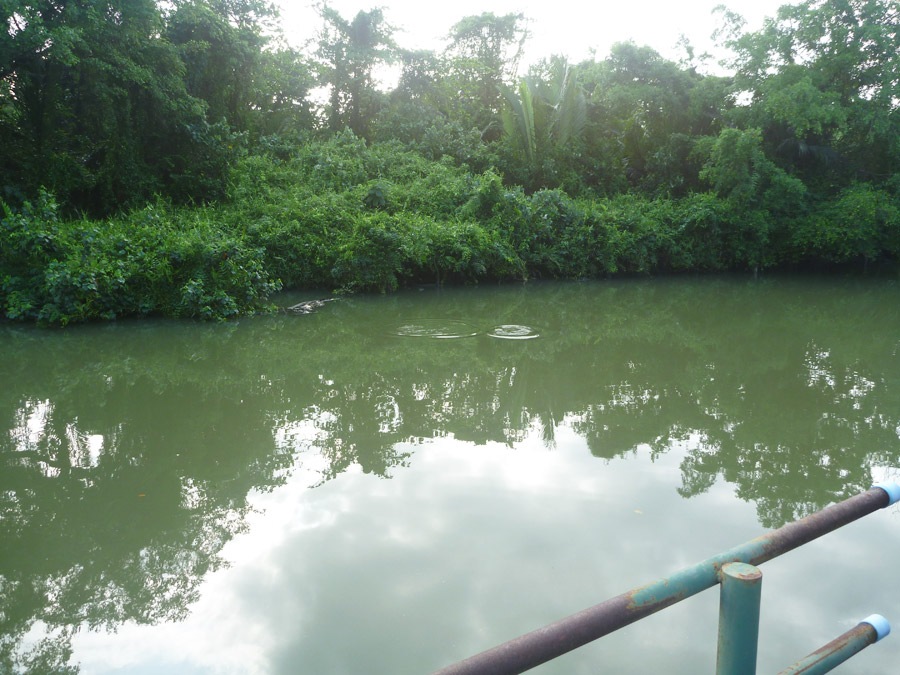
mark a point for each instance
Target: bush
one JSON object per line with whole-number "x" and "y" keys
{"x": 863, "y": 223}
{"x": 339, "y": 214}
{"x": 457, "y": 251}
{"x": 154, "y": 261}
{"x": 370, "y": 257}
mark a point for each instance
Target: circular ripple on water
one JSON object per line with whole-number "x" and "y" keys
{"x": 441, "y": 329}
{"x": 511, "y": 331}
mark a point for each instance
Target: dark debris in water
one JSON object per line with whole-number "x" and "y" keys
{"x": 308, "y": 306}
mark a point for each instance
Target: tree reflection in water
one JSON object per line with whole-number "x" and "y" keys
{"x": 130, "y": 451}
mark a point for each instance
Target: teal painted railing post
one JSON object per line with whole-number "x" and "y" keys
{"x": 867, "y": 632}
{"x": 738, "y": 619}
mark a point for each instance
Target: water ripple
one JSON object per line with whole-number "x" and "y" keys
{"x": 511, "y": 331}
{"x": 437, "y": 329}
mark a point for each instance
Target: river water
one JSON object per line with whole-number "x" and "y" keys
{"x": 394, "y": 483}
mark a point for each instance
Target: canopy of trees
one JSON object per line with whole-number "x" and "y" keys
{"x": 106, "y": 107}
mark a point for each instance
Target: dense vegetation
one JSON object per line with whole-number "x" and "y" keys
{"x": 173, "y": 158}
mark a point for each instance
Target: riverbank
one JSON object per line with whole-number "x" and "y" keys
{"x": 347, "y": 217}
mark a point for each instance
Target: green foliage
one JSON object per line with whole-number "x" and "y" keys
{"x": 484, "y": 54}
{"x": 737, "y": 168}
{"x": 542, "y": 122}
{"x": 243, "y": 77}
{"x": 30, "y": 242}
{"x": 793, "y": 99}
{"x": 369, "y": 256}
{"x": 336, "y": 165}
{"x": 199, "y": 174}
{"x": 863, "y": 223}
{"x": 152, "y": 261}
{"x": 822, "y": 80}
{"x": 376, "y": 197}
{"x": 544, "y": 238}
{"x": 348, "y": 52}
{"x": 109, "y": 104}
{"x": 97, "y": 93}
{"x": 735, "y": 165}
{"x": 644, "y": 114}
{"x": 341, "y": 215}
{"x": 460, "y": 252}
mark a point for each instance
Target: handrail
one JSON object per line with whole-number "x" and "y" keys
{"x": 867, "y": 632}
{"x": 539, "y": 646}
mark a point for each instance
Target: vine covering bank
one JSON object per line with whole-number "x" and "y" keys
{"x": 343, "y": 215}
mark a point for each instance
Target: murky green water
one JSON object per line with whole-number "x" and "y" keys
{"x": 394, "y": 483}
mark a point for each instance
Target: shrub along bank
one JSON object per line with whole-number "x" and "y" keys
{"x": 345, "y": 216}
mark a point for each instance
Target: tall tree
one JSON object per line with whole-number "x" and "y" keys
{"x": 420, "y": 100}
{"x": 653, "y": 100}
{"x": 107, "y": 103}
{"x": 645, "y": 116}
{"x": 225, "y": 47}
{"x": 485, "y": 51}
{"x": 91, "y": 93}
{"x": 823, "y": 81}
{"x": 284, "y": 105}
{"x": 543, "y": 117}
{"x": 348, "y": 53}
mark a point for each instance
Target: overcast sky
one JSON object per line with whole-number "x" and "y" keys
{"x": 568, "y": 27}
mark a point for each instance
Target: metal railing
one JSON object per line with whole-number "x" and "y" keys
{"x": 735, "y": 569}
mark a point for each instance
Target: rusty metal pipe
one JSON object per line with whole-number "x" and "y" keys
{"x": 867, "y": 632}
{"x": 539, "y": 646}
